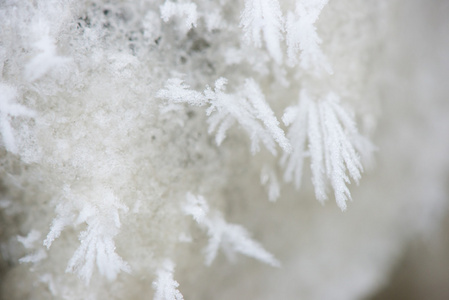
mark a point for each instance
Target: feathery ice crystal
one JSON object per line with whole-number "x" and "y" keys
{"x": 119, "y": 119}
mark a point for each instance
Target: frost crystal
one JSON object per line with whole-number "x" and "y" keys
{"x": 30, "y": 239}
{"x": 37, "y": 256}
{"x": 184, "y": 10}
{"x": 9, "y": 109}
{"x": 166, "y": 287}
{"x": 97, "y": 242}
{"x": 28, "y": 243}
{"x": 302, "y": 36}
{"x": 247, "y": 107}
{"x": 263, "y": 16}
{"x": 231, "y": 238}
{"x": 269, "y": 179}
{"x": 332, "y": 134}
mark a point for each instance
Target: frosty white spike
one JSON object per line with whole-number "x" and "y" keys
{"x": 331, "y": 133}
{"x": 232, "y": 238}
{"x": 303, "y": 38}
{"x": 247, "y": 107}
{"x": 166, "y": 287}
{"x": 10, "y": 109}
{"x": 263, "y": 16}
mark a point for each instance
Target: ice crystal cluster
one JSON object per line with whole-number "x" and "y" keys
{"x": 164, "y": 149}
